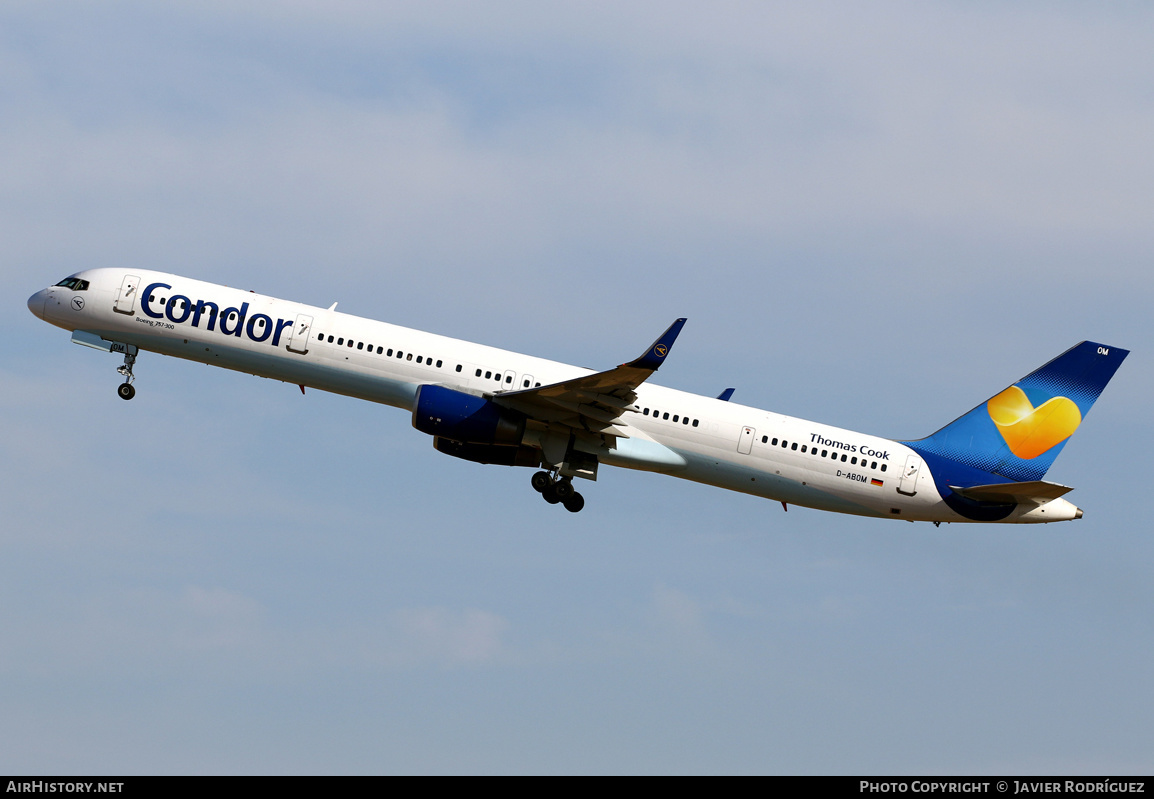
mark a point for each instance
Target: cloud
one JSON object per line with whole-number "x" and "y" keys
{"x": 467, "y": 637}
{"x": 215, "y": 618}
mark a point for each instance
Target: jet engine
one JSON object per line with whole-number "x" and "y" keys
{"x": 466, "y": 418}
{"x": 489, "y": 453}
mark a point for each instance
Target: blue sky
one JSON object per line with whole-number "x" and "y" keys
{"x": 872, "y": 216}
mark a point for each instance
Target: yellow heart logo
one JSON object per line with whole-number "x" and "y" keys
{"x": 1030, "y": 431}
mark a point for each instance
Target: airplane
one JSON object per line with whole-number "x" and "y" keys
{"x": 492, "y": 406}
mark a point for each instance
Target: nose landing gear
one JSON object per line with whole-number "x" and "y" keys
{"x": 554, "y": 491}
{"x": 126, "y": 390}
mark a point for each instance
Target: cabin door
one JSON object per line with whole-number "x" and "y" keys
{"x": 745, "y": 443}
{"x": 126, "y": 302}
{"x": 302, "y": 329}
{"x": 908, "y": 484}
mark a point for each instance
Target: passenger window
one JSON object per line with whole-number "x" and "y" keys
{"x": 665, "y": 415}
{"x": 685, "y": 420}
{"x": 351, "y": 342}
{"x": 853, "y": 461}
{"x": 803, "y": 447}
{"x": 645, "y": 412}
{"x": 438, "y": 364}
{"x": 883, "y": 467}
{"x": 488, "y": 375}
{"x": 380, "y": 350}
{"x": 843, "y": 458}
{"x": 340, "y": 341}
{"x": 330, "y": 339}
{"x": 409, "y": 357}
{"x": 764, "y": 439}
{"x": 825, "y": 454}
{"x": 458, "y": 366}
{"x": 478, "y": 373}
{"x": 675, "y": 417}
{"x": 794, "y": 447}
{"x": 695, "y": 423}
{"x": 524, "y": 384}
{"x": 418, "y": 359}
{"x": 774, "y": 442}
{"x": 360, "y": 345}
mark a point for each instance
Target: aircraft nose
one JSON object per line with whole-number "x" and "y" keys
{"x": 36, "y": 302}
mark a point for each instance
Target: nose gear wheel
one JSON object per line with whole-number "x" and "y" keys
{"x": 126, "y": 390}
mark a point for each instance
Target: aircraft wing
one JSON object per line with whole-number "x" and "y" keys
{"x": 596, "y": 401}
{"x": 1037, "y": 491}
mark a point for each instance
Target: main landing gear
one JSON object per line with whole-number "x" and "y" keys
{"x": 125, "y": 390}
{"x": 555, "y": 490}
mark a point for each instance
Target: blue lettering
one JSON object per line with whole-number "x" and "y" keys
{"x": 265, "y": 327}
{"x": 281, "y": 324}
{"x": 175, "y": 303}
{"x": 829, "y": 442}
{"x": 226, "y": 317}
{"x": 179, "y": 309}
{"x": 146, "y": 298}
{"x": 200, "y": 306}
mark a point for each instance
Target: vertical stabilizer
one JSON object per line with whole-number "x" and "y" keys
{"x": 1019, "y": 432}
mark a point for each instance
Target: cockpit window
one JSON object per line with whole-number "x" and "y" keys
{"x": 74, "y": 283}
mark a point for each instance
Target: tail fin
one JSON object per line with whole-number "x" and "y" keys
{"x": 1019, "y": 432}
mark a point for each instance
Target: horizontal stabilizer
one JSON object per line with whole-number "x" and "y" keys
{"x": 1038, "y": 491}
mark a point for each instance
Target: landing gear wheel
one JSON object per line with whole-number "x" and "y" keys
{"x": 574, "y": 503}
{"x": 565, "y": 489}
{"x": 125, "y": 391}
{"x": 541, "y": 481}
{"x": 550, "y": 495}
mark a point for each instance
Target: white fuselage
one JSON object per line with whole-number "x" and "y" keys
{"x": 697, "y": 438}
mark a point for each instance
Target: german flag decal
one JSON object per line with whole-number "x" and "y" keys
{"x": 876, "y": 482}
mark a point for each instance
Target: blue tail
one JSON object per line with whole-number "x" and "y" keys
{"x": 1018, "y": 433}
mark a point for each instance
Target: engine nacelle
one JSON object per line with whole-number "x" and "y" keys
{"x": 466, "y": 418}
{"x": 489, "y": 453}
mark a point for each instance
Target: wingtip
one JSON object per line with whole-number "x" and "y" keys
{"x": 660, "y": 348}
